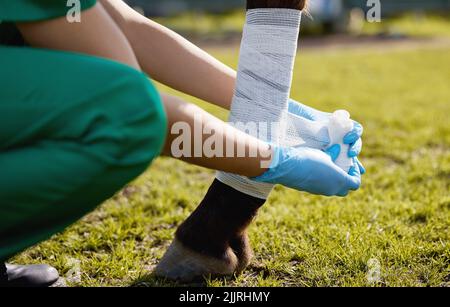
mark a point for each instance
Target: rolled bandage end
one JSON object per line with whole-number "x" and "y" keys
{"x": 339, "y": 125}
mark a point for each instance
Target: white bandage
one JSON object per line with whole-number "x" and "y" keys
{"x": 339, "y": 125}
{"x": 266, "y": 63}
{"x": 268, "y": 50}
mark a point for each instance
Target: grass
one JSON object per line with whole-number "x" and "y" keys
{"x": 419, "y": 25}
{"x": 400, "y": 218}
{"x": 198, "y": 24}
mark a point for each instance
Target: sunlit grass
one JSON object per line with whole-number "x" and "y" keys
{"x": 400, "y": 217}
{"x": 419, "y": 25}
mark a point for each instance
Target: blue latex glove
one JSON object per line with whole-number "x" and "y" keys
{"x": 353, "y": 138}
{"x": 311, "y": 170}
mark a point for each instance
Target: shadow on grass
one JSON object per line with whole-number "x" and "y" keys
{"x": 151, "y": 280}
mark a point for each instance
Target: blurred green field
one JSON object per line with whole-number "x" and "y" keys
{"x": 424, "y": 25}
{"x": 400, "y": 218}
{"x": 199, "y": 25}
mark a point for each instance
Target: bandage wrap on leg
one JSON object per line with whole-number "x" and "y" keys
{"x": 268, "y": 50}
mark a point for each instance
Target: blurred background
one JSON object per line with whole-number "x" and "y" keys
{"x": 392, "y": 76}
{"x": 223, "y": 19}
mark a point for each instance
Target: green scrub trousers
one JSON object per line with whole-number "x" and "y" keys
{"x": 74, "y": 129}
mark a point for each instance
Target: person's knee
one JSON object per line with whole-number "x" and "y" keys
{"x": 134, "y": 119}
{"x": 127, "y": 129}
{"x": 146, "y": 122}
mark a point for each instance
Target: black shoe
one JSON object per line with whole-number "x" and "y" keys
{"x": 37, "y": 275}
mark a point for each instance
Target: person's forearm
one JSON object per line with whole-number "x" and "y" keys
{"x": 172, "y": 60}
{"x": 200, "y": 125}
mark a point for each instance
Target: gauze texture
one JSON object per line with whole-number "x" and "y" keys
{"x": 268, "y": 49}
{"x": 339, "y": 125}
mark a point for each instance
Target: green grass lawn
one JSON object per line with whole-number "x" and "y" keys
{"x": 400, "y": 218}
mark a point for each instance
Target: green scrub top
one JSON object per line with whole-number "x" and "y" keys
{"x": 33, "y": 10}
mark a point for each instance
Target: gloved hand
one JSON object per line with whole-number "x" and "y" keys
{"x": 311, "y": 170}
{"x": 353, "y": 138}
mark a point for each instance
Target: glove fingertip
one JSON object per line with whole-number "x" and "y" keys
{"x": 334, "y": 151}
{"x": 350, "y": 138}
{"x": 361, "y": 167}
{"x": 358, "y": 128}
{"x": 352, "y": 153}
{"x": 354, "y": 178}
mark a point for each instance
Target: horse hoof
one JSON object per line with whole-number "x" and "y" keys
{"x": 241, "y": 246}
{"x": 182, "y": 264}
